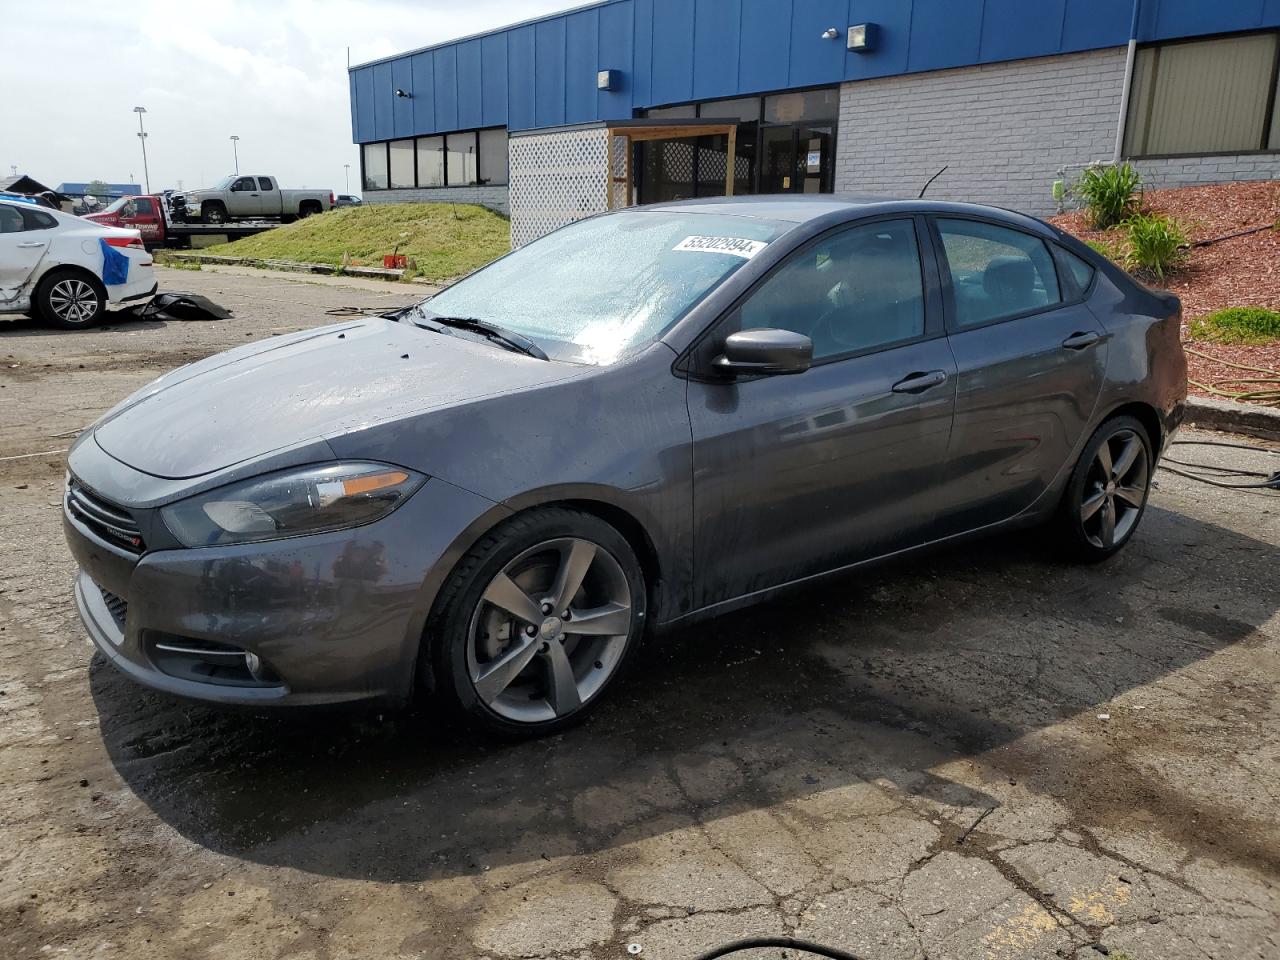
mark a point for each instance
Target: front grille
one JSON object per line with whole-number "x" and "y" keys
{"x": 112, "y": 523}
{"x": 117, "y": 606}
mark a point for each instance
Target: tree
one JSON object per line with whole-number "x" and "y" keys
{"x": 97, "y": 188}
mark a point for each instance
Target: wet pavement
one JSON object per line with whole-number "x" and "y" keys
{"x": 981, "y": 753}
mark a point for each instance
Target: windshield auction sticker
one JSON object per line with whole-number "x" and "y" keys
{"x": 734, "y": 246}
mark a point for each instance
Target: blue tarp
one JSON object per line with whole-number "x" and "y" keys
{"x": 115, "y": 265}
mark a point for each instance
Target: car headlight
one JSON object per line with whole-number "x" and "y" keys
{"x": 291, "y": 503}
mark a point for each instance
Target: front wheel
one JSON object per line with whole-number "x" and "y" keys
{"x": 1107, "y": 494}
{"x": 213, "y": 213}
{"x": 537, "y": 620}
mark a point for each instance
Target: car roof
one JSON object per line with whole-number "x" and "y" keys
{"x": 803, "y": 208}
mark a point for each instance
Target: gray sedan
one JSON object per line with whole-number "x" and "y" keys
{"x": 642, "y": 419}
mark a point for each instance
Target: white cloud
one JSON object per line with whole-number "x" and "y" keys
{"x": 273, "y": 73}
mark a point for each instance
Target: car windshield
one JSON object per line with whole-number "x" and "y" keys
{"x": 117, "y": 204}
{"x": 595, "y": 291}
{"x": 223, "y": 183}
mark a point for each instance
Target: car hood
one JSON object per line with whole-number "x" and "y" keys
{"x": 289, "y": 391}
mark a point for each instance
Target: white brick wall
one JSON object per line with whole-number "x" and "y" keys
{"x": 495, "y": 198}
{"x": 1006, "y": 130}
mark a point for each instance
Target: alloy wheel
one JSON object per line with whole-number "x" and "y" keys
{"x": 73, "y": 300}
{"x": 549, "y": 631}
{"x": 1115, "y": 489}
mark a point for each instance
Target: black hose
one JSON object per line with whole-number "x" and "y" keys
{"x": 1271, "y": 481}
{"x": 755, "y": 943}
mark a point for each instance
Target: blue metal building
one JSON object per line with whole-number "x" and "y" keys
{"x": 623, "y": 59}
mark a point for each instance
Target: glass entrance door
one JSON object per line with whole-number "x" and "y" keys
{"x": 797, "y": 159}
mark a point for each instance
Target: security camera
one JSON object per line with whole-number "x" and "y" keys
{"x": 403, "y": 93}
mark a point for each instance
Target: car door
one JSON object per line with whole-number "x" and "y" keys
{"x": 1031, "y": 358}
{"x": 796, "y": 475}
{"x": 271, "y": 200}
{"x": 243, "y": 199}
{"x": 24, "y": 238}
{"x": 140, "y": 214}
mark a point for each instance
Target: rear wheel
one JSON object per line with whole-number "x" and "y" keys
{"x": 308, "y": 208}
{"x": 537, "y": 620}
{"x": 1107, "y": 494}
{"x": 70, "y": 300}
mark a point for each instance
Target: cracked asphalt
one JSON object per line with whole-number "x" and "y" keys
{"x": 982, "y": 753}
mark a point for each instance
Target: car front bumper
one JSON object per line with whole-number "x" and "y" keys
{"x": 327, "y": 619}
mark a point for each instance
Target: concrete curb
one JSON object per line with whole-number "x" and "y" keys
{"x": 1246, "y": 418}
{"x": 293, "y": 266}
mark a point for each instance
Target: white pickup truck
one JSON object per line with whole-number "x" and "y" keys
{"x": 253, "y": 198}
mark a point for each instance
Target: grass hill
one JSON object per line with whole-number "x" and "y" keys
{"x": 445, "y": 240}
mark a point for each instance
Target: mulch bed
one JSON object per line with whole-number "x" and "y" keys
{"x": 1241, "y": 272}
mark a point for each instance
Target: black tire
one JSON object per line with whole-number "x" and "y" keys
{"x": 70, "y": 299}
{"x": 464, "y": 619}
{"x": 1085, "y": 534}
{"x": 213, "y": 212}
{"x": 307, "y": 209}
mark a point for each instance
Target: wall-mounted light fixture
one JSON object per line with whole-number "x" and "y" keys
{"x": 608, "y": 80}
{"x": 830, "y": 33}
{"x": 862, "y": 37}
{"x": 404, "y": 93}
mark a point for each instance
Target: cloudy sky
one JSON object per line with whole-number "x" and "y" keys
{"x": 273, "y": 72}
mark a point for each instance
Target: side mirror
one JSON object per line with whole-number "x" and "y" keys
{"x": 765, "y": 352}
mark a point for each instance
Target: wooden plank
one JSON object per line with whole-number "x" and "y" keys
{"x": 730, "y": 161}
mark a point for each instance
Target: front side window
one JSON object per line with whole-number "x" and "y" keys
{"x": 401, "y": 164}
{"x": 244, "y": 184}
{"x": 856, "y": 290}
{"x": 597, "y": 289}
{"x": 1204, "y": 96}
{"x": 375, "y": 166}
{"x": 996, "y": 272}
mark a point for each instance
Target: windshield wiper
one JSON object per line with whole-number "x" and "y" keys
{"x": 508, "y": 338}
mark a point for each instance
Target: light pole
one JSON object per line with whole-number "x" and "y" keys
{"x": 346, "y": 176}
{"x": 142, "y": 136}
{"x": 235, "y": 152}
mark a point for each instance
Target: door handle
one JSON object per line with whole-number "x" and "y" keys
{"x": 920, "y": 382}
{"x": 1080, "y": 341}
{"x": 31, "y": 243}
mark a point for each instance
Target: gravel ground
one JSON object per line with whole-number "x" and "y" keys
{"x": 983, "y": 753}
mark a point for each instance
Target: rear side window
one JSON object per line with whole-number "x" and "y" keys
{"x": 11, "y": 219}
{"x": 996, "y": 272}
{"x": 145, "y": 207}
{"x": 1081, "y": 270}
{"x": 38, "y": 220}
{"x": 265, "y": 183}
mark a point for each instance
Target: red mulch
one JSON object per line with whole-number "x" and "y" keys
{"x": 1242, "y": 272}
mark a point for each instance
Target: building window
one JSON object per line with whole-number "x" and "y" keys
{"x": 460, "y": 159}
{"x": 1204, "y": 97}
{"x": 401, "y": 164}
{"x": 375, "y": 166}
{"x": 493, "y": 156}
{"x": 431, "y": 161}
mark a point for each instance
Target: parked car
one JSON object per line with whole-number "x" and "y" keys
{"x": 347, "y": 200}
{"x": 642, "y": 419}
{"x": 65, "y": 268}
{"x": 254, "y": 197}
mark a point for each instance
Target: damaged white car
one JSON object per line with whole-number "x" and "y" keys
{"x": 66, "y": 270}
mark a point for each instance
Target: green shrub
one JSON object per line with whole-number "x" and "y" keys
{"x": 1112, "y": 194}
{"x": 1156, "y": 245}
{"x": 1238, "y": 325}
{"x": 1108, "y": 247}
